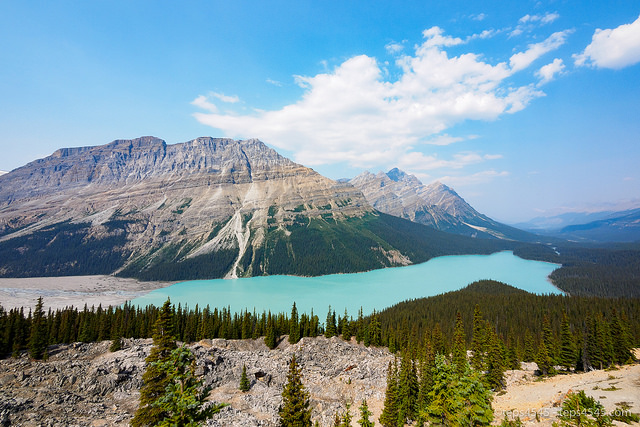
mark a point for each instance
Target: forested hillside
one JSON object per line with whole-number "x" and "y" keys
{"x": 606, "y": 270}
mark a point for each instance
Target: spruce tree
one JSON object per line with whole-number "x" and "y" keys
{"x": 476, "y": 407}
{"x": 330, "y": 329}
{"x": 459, "y": 350}
{"x": 567, "y": 355}
{"x": 346, "y": 327}
{"x": 543, "y": 360}
{"x": 270, "y": 336}
{"x": 389, "y": 416}
{"x": 444, "y": 402}
{"x": 244, "y": 380}
{"x": 375, "y": 330}
{"x": 494, "y": 361}
{"x": 407, "y": 390}
{"x": 529, "y": 347}
{"x": 437, "y": 340}
{"x": 295, "y": 410}
{"x": 365, "y": 413}
{"x": 183, "y": 402}
{"x": 38, "y": 338}
{"x": 478, "y": 341}
{"x": 547, "y": 337}
{"x": 155, "y": 379}
{"x": 620, "y": 339}
{"x": 294, "y": 325}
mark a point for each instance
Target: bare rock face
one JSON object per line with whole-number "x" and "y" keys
{"x": 201, "y": 196}
{"x": 86, "y": 385}
{"x": 436, "y": 205}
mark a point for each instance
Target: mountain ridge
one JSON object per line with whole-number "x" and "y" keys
{"x": 206, "y": 208}
{"x": 435, "y": 205}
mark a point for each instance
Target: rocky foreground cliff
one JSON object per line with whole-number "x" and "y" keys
{"x": 86, "y": 385}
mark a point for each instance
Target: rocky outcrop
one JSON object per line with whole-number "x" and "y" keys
{"x": 86, "y": 385}
{"x": 436, "y": 205}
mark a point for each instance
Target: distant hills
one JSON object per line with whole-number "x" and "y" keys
{"x": 603, "y": 227}
{"x": 211, "y": 208}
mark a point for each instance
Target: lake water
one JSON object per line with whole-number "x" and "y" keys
{"x": 375, "y": 289}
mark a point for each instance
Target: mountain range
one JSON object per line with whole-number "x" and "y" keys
{"x": 589, "y": 227}
{"x": 215, "y": 207}
{"x": 435, "y": 205}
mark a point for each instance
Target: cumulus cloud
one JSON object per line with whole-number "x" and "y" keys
{"x": 354, "y": 113}
{"x": 522, "y": 60}
{"x": 549, "y": 71}
{"x": 612, "y": 48}
{"x": 394, "y": 47}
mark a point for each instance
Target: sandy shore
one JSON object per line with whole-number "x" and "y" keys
{"x": 60, "y": 292}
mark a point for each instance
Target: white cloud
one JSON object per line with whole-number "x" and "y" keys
{"x": 224, "y": 98}
{"x": 444, "y": 139}
{"x": 479, "y": 17}
{"x": 612, "y": 48}
{"x": 530, "y": 22}
{"x": 354, "y": 113}
{"x": 394, "y": 47}
{"x": 274, "y": 82}
{"x": 522, "y": 60}
{"x": 202, "y": 102}
{"x": 434, "y": 36}
{"x": 549, "y": 71}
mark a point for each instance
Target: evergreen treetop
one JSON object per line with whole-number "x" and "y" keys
{"x": 295, "y": 410}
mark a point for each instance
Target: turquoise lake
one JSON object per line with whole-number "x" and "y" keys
{"x": 370, "y": 290}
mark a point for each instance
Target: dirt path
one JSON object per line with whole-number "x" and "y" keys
{"x": 528, "y": 396}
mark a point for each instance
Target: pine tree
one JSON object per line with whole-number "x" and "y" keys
{"x": 346, "y": 327}
{"x": 389, "y": 416}
{"x": 38, "y": 338}
{"x": 407, "y": 390}
{"x": 478, "y": 341}
{"x": 295, "y": 410}
{"x": 459, "y": 350}
{"x": 529, "y": 347}
{"x": 270, "y": 337}
{"x": 620, "y": 340}
{"x": 365, "y": 413}
{"x": 567, "y": 346}
{"x": 476, "y": 399}
{"x": 375, "y": 330}
{"x": 543, "y": 360}
{"x": 116, "y": 344}
{"x": 547, "y": 337}
{"x": 155, "y": 380}
{"x": 437, "y": 340}
{"x": 244, "y": 381}
{"x": 183, "y": 402}
{"x": 294, "y": 325}
{"x": 330, "y": 329}
{"x": 443, "y": 402}
{"x": 494, "y": 361}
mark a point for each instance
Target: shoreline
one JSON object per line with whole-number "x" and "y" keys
{"x": 76, "y": 291}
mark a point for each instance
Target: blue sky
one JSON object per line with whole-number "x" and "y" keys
{"x": 526, "y": 108}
